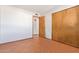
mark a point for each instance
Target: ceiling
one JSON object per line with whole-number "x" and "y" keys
{"x": 41, "y": 9}
{"x": 36, "y": 8}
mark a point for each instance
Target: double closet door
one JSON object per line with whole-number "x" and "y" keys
{"x": 66, "y": 26}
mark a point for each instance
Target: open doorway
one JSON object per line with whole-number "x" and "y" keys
{"x": 38, "y": 26}
{"x": 35, "y": 26}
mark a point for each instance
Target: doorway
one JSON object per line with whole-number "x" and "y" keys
{"x": 35, "y": 26}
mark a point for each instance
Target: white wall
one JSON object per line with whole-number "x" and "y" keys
{"x": 48, "y": 27}
{"x": 48, "y": 19}
{"x": 15, "y": 24}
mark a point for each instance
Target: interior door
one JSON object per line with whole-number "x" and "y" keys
{"x": 42, "y": 26}
{"x": 57, "y": 26}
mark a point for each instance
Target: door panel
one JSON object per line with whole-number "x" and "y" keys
{"x": 69, "y": 26}
{"x": 42, "y": 26}
{"x": 77, "y": 8}
{"x": 57, "y": 26}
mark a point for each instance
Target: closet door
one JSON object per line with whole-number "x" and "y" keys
{"x": 57, "y": 26}
{"x": 77, "y": 25}
{"x": 69, "y": 26}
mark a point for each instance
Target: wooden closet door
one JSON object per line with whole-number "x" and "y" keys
{"x": 69, "y": 26}
{"x": 77, "y": 8}
{"x": 66, "y": 26}
{"x": 57, "y": 26}
{"x": 42, "y": 26}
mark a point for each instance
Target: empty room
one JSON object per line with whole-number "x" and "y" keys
{"x": 39, "y": 28}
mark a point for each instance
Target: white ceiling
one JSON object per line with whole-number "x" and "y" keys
{"x": 41, "y": 9}
{"x": 36, "y": 8}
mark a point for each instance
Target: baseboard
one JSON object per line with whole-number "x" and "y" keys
{"x": 66, "y": 44}
{"x": 16, "y": 41}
